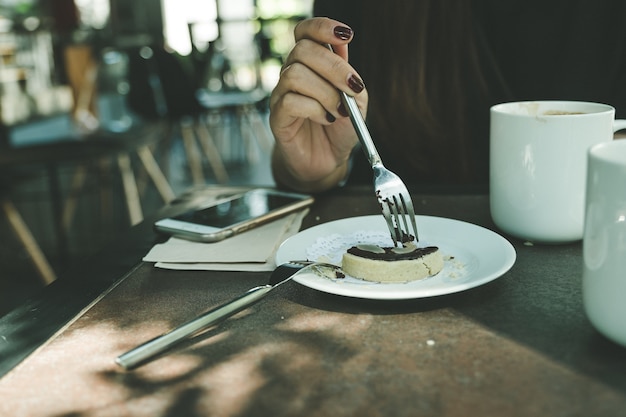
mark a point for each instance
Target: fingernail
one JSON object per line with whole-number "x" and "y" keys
{"x": 330, "y": 117}
{"x": 355, "y": 83}
{"x": 343, "y": 32}
{"x": 342, "y": 110}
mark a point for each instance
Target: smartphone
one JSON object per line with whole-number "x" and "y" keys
{"x": 230, "y": 216}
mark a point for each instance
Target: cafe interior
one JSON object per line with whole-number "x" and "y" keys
{"x": 111, "y": 109}
{"x": 117, "y": 114}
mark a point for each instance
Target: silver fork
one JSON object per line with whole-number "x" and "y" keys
{"x": 393, "y": 196}
{"x": 283, "y": 273}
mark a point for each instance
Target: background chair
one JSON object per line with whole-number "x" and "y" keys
{"x": 22, "y": 231}
{"x": 163, "y": 86}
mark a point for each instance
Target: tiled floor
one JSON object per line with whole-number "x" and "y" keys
{"x": 94, "y": 226}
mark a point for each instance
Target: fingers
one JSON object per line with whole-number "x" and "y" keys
{"x": 310, "y": 36}
{"x": 312, "y": 76}
{"x": 305, "y": 104}
{"x": 327, "y": 65}
{"x": 300, "y": 84}
{"x": 324, "y": 30}
{"x": 290, "y": 110}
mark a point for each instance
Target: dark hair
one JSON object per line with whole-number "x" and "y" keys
{"x": 418, "y": 59}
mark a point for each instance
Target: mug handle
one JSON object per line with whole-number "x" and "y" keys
{"x": 619, "y": 124}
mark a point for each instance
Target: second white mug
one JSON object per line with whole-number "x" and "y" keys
{"x": 538, "y": 165}
{"x": 604, "y": 242}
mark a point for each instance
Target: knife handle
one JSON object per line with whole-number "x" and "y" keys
{"x": 159, "y": 344}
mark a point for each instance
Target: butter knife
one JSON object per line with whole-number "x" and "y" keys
{"x": 149, "y": 350}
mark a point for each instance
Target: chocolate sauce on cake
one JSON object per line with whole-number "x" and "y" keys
{"x": 391, "y": 253}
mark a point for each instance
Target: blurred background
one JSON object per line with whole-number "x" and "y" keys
{"x": 182, "y": 84}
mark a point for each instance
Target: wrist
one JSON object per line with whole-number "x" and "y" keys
{"x": 288, "y": 178}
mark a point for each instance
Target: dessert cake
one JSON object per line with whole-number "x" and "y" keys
{"x": 392, "y": 264}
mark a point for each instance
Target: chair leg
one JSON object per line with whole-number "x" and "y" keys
{"x": 193, "y": 157}
{"x": 131, "y": 192}
{"x": 106, "y": 190}
{"x": 166, "y": 143}
{"x": 23, "y": 233}
{"x": 250, "y": 142}
{"x": 76, "y": 186}
{"x": 266, "y": 140}
{"x": 129, "y": 182}
{"x": 154, "y": 171}
{"x": 211, "y": 152}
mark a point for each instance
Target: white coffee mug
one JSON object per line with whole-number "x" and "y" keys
{"x": 604, "y": 241}
{"x": 538, "y": 165}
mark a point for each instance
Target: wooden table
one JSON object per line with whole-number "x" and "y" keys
{"x": 518, "y": 346}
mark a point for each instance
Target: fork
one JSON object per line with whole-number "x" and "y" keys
{"x": 393, "y": 196}
{"x": 283, "y": 273}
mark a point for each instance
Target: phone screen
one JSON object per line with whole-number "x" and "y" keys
{"x": 244, "y": 207}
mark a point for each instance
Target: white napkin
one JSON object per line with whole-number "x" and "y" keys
{"x": 252, "y": 250}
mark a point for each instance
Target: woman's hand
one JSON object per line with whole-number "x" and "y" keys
{"x": 314, "y": 136}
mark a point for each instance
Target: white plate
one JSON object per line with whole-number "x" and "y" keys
{"x": 473, "y": 256}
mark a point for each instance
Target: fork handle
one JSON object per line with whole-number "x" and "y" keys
{"x": 361, "y": 130}
{"x": 359, "y": 125}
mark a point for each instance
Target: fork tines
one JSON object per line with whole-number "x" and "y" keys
{"x": 396, "y": 209}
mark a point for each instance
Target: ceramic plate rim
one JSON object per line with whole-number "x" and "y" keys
{"x": 494, "y": 254}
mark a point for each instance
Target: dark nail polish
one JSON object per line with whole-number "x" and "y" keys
{"x": 330, "y": 117}
{"x": 355, "y": 84}
{"x": 342, "y": 32}
{"x": 342, "y": 110}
